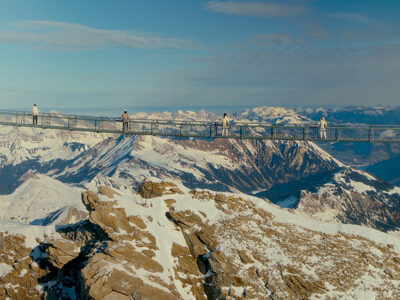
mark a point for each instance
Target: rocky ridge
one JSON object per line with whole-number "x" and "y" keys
{"x": 345, "y": 195}
{"x": 169, "y": 242}
{"x": 220, "y": 165}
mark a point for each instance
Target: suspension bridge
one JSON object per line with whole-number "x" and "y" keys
{"x": 205, "y": 129}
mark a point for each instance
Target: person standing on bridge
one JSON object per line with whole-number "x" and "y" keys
{"x": 35, "y": 113}
{"x": 125, "y": 121}
{"x": 225, "y": 123}
{"x": 322, "y": 128}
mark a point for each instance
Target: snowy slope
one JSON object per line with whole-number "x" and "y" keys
{"x": 36, "y": 198}
{"x": 21, "y": 144}
{"x": 219, "y": 164}
{"x": 36, "y": 150}
{"x": 273, "y": 115}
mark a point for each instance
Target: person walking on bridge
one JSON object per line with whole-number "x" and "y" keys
{"x": 35, "y": 113}
{"x": 225, "y": 123}
{"x": 322, "y": 128}
{"x": 125, "y": 121}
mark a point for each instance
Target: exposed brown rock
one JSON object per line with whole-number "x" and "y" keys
{"x": 149, "y": 189}
{"x": 187, "y": 270}
{"x": 62, "y": 252}
{"x": 73, "y": 215}
{"x": 137, "y": 221}
{"x": 112, "y": 220}
{"x": 303, "y": 289}
{"x": 124, "y": 252}
{"x": 244, "y": 257}
{"x": 170, "y": 203}
{"x": 21, "y": 281}
{"x": 106, "y": 191}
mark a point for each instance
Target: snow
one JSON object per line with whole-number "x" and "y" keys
{"x": 395, "y": 190}
{"x": 162, "y": 153}
{"x": 288, "y": 203}
{"x": 285, "y": 216}
{"x": 4, "y": 269}
{"x": 361, "y": 187}
{"x": 21, "y": 144}
{"x": 41, "y": 195}
{"x": 272, "y": 114}
{"x": 31, "y": 232}
{"x": 164, "y": 232}
{"x": 37, "y": 197}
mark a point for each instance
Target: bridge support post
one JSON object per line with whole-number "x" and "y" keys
{"x": 370, "y": 133}
{"x": 273, "y": 132}
{"x": 337, "y": 133}
{"x": 305, "y": 133}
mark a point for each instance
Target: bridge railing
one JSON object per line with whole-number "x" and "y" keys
{"x": 206, "y": 129}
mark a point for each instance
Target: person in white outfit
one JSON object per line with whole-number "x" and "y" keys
{"x": 322, "y": 128}
{"x": 225, "y": 123}
{"x": 125, "y": 121}
{"x": 35, "y": 113}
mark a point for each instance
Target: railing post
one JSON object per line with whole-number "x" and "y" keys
{"x": 370, "y": 132}
{"x": 337, "y": 133}
{"x": 273, "y": 132}
{"x": 305, "y": 133}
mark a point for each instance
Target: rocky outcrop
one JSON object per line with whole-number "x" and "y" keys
{"x": 21, "y": 275}
{"x": 149, "y": 189}
{"x": 203, "y": 245}
{"x": 253, "y": 255}
{"x": 112, "y": 266}
{"x": 61, "y": 252}
{"x": 347, "y": 195}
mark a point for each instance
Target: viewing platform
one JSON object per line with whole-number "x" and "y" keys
{"x": 206, "y": 129}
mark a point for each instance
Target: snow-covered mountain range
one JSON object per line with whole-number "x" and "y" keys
{"x": 86, "y": 215}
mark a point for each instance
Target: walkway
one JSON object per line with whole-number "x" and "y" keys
{"x": 199, "y": 129}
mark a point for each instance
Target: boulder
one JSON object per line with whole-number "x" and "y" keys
{"x": 62, "y": 252}
{"x": 150, "y": 189}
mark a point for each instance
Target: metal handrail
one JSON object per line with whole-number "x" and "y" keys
{"x": 207, "y": 129}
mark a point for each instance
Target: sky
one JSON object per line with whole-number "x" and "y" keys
{"x": 85, "y": 54}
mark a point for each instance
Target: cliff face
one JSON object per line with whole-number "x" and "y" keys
{"x": 169, "y": 242}
{"x": 345, "y": 195}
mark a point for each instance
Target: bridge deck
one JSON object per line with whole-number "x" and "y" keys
{"x": 199, "y": 129}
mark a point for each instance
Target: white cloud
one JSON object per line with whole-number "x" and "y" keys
{"x": 353, "y": 17}
{"x": 62, "y": 35}
{"x": 255, "y": 9}
{"x": 276, "y": 39}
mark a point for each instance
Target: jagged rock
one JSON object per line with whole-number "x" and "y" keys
{"x": 101, "y": 282}
{"x": 106, "y": 191}
{"x": 185, "y": 218}
{"x": 112, "y": 220}
{"x": 22, "y": 278}
{"x": 170, "y": 203}
{"x": 81, "y": 233}
{"x": 124, "y": 252}
{"x": 187, "y": 270}
{"x": 244, "y": 257}
{"x": 303, "y": 289}
{"x": 150, "y": 189}
{"x": 137, "y": 221}
{"x": 62, "y": 252}
{"x": 73, "y": 215}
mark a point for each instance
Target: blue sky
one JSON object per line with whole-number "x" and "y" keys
{"x": 120, "y": 53}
